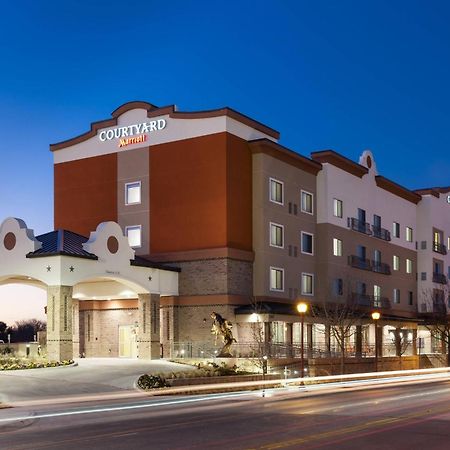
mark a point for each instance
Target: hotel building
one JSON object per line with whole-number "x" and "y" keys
{"x": 234, "y": 223}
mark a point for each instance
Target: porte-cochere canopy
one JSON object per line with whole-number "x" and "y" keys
{"x": 74, "y": 269}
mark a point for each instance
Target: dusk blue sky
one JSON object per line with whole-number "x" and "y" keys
{"x": 326, "y": 74}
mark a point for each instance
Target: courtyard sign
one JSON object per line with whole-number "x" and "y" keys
{"x": 132, "y": 134}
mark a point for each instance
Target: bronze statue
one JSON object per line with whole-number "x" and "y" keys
{"x": 223, "y": 327}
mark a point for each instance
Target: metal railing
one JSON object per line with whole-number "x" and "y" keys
{"x": 381, "y": 233}
{"x": 370, "y": 301}
{"x": 358, "y": 225}
{"x": 439, "y": 278}
{"x": 439, "y": 307}
{"x": 359, "y": 263}
{"x": 380, "y": 267}
{"x": 439, "y": 248}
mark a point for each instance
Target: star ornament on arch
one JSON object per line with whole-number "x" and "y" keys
{"x": 71, "y": 268}
{"x": 49, "y": 268}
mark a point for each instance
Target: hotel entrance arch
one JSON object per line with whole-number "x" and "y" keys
{"x": 84, "y": 277}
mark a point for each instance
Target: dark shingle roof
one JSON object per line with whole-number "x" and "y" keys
{"x": 139, "y": 261}
{"x": 62, "y": 242}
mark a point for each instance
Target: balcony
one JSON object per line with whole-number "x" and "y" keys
{"x": 439, "y": 307}
{"x": 357, "y": 225}
{"x": 439, "y": 278}
{"x": 370, "y": 301}
{"x": 359, "y": 263}
{"x": 381, "y": 233}
{"x": 380, "y": 267}
{"x": 439, "y": 248}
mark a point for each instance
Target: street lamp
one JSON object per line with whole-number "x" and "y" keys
{"x": 376, "y": 317}
{"x": 302, "y": 307}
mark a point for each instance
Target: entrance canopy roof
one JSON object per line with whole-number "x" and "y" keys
{"x": 63, "y": 258}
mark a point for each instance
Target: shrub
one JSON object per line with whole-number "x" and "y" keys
{"x": 147, "y": 382}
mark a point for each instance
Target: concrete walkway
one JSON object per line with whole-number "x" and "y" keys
{"x": 91, "y": 376}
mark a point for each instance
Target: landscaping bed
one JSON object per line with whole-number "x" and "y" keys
{"x": 16, "y": 363}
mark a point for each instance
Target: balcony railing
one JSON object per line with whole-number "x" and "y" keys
{"x": 381, "y": 233}
{"x": 358, "y": 225}
{"x": 439, "y": 278}
{"x": 439, "y": 248}
{"x": 439, "y": 307}
{"x": 359, "y": 263}
{"x": 370, "y": 301}
{"x": 380, "y": 267}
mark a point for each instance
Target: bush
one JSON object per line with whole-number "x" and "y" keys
{"x": 147, "y": 382}
{"x": 6, "y": 351}
{"x": 12, "y": 363}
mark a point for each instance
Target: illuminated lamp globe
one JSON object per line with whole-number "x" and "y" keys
{"x": 376, "y": 315}
{"x": 302, "y": 307}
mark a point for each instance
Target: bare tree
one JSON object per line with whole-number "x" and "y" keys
{"x": 438, "y": 320}
{"x": 259, "y": 340}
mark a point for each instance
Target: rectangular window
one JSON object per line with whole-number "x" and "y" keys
{"x": 276, "y": 235}
{"x": 307, "y": 284}
{"x": 337, "y": 247}
{"x": 376, "y": 221}
{"x": 396, "y": 296}
{"x": 409, "y": 266}
{"x": 276, "y": 191}
{"x": 307, "y": 243}
{"x": 410, "y": 298}
{"x": 276, "y": 279}
{"x": 338, "y": 209}
{"x": 338, "y": 287}
{"x": 377, "y": 256}
{"x": 307, "y": 202}
{"x": 423, "y": 276}
{"x": 396, "y": 229}
{"x": 134, "y": 235}
{"x": 362, "y": 215}
{"x": 133, "y": 193}
{"x": 396, "y": 262}
{"x": 409, "y": 234}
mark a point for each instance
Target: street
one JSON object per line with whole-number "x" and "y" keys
{"x": 401, "y": 415}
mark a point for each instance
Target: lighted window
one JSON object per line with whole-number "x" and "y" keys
{"x": 307, "y": 243}
{"x": 409, "y": 234}
{"x": 307, "y": 202}
{"x": 133, "y": 193}
{"x": 276, "y": 279}
{"x": 134, "y": 235}
{"x": 337, "y": 247}
{"x": 377, "y": 296}
{"x": 396, "y": 296}
{"x": 276, "y": 191}
{"x": 396, "y": 229}
{"x": 276, "y": 235}
{"x": 409, "y": 266}
{"x": 338, "y": 208}
{"x": 307, "y": 284}
{"x": 396, "y": 262}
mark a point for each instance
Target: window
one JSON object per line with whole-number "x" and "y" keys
{"x": 409, "y": 268}
{"x": 362, "y": 216}
{"x": 337, "y": 247}
{"x": 376, "y": 221}
{"x": 307, "y": 284}
{"x": 307, "y": 202}
{"x": 134, "y": 235}
{"x": 276, "y": 235}
{"x": 423, "y": 276}
{"x": 396, "y": 229}
{"x": 133, "y": 193}
{"x": 409, "y": 234}
{"x": 276, "y": 279}
{"x": 276, "y": 191}
{"x": 338, "y": 287}
{"x": 376, "y": 296}
{"x": 396, "y": 296}
{"x": 396, "y": 262}
{"x": 307, "y": 243}
{"x": 338, "y": 208}
{"x": 377, "y": 257}
{"x": 361, "y": 252}
{"x": 410, "y": 298}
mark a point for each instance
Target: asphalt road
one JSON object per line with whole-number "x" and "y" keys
{"x": 399, "y": 416}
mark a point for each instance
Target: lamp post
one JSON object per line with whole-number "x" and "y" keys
{"x": 302, "y": 307}
{"x": 376, "y": 317}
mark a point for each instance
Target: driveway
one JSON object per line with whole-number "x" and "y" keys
{"x": 90, "y": 376}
